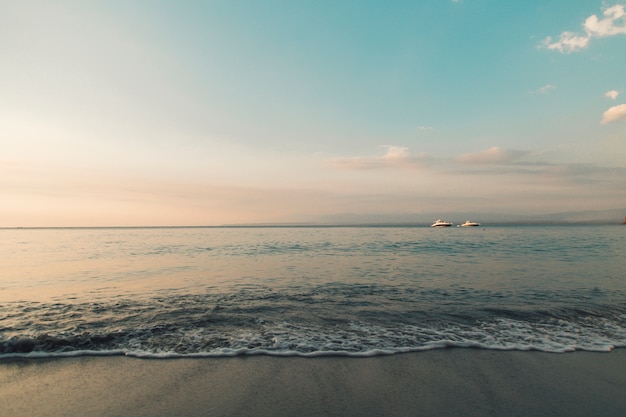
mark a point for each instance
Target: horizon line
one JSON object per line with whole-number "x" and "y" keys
{"x": 326, "y": 225}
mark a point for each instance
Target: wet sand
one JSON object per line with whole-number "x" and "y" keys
{"x": 451, "y": 382}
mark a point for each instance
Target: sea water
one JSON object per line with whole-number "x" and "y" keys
{"x": 310, "y": 291}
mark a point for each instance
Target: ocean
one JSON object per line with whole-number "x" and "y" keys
{"x": 310, "y": 291}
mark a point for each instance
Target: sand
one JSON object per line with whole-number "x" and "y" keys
{"x": 451, "y": 382}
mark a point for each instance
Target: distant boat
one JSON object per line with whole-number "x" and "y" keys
{"x": 441, "y": 223}
{"x": 470, "y": 224}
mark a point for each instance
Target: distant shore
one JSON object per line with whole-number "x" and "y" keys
{"x": 448, "y": 382}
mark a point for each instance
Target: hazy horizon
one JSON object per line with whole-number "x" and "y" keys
{"x": 157, "y": 113}
{"x": 609, "y": 217}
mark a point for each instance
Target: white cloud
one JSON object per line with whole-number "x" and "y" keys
{"x": 612, "y": 94}
{"x": 568, "y": 42}
{"x": 614, "y": 114}
{"x": 613, "y": 23}
{"x": 546, "y": 88}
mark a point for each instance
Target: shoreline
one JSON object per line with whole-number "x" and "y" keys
{"x": 455, "y": 381}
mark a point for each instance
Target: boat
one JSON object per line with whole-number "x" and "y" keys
{"x": 441, "y": 223}
{"x": 470, "y": 224}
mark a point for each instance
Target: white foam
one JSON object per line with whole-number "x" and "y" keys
{"x": 365, "y": 340}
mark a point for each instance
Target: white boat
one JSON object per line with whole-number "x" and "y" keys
{"x": 441, "y": 223}
{"x": 469, "y": 223}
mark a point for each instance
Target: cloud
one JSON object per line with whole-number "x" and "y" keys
{"x": 612, "y": 94}
{"x": 398, "y": 157}
{"x": 522, "y": 179}
{"x": 494, "y": 155}
{"x": 523, "y": 166}
{"x": 396, "y": 153}
{"x": 568, "y": 42}
{"x": 395, "y": 157}
{"x": 614, "y": 114}
{"x": 546, "y": 88}
{"x": 613, "y": 23}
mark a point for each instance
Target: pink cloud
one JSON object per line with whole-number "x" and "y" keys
{"x": 395, "y": 157}
{"x": 494, "y": 155}
{"x": 614, "y": 114}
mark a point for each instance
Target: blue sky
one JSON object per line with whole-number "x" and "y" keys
{"x": 220, "y": 112}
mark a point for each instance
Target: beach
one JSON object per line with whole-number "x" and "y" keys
{"x": 444, "y": 382}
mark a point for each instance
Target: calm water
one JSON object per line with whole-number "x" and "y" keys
{"x": 163, "y": 292}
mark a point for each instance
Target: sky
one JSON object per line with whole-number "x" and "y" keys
{"x": 136, "y": 113}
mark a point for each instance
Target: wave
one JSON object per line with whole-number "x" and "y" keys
{"x": 596, "y": 334}
{"x": 331, "y": 319}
